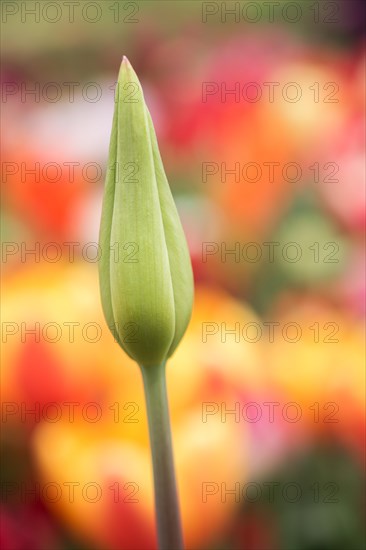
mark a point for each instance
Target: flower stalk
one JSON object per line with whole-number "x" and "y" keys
{"x": 166, "y": 498}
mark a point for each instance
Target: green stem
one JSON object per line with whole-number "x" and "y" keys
{"x": 166, "y": 499}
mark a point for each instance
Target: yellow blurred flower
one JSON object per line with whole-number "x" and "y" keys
{"x": 98, "y": 448}
{"x": 316, "y": 360}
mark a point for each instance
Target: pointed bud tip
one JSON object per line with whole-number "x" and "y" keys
{"x": 126, "y": 72}
{"x": 125, "y": 60}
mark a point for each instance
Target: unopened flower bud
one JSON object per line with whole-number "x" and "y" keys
{"x": 146, "y": 295}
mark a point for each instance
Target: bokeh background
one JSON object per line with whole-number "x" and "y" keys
{"x": 283, "y": 469}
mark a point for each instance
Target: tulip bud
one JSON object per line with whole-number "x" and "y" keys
{"x": 145, "y": 270}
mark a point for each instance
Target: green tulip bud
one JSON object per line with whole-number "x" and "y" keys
{"x": 146, "y": 282}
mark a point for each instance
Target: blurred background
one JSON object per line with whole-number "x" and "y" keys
{"x": 259, "y": 112}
